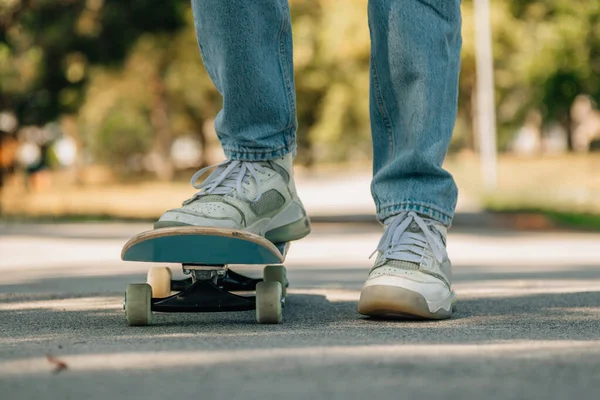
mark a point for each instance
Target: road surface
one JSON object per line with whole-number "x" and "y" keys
{"x": 527, "y": 325}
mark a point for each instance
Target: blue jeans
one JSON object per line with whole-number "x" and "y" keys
{"x": 246, "y": 46}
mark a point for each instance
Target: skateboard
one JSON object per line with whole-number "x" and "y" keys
{"x": 205, "y": 255}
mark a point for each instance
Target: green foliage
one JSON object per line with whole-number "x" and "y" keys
{"x": 55, "y": 42}
{"x": 124, "y": 133}
{"x": 331, "y": 57}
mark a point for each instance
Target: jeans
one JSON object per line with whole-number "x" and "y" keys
{"x": 246, "y": 46}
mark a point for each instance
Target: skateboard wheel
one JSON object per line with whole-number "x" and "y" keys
{"x": 268, "y": 303}
{"x": 276, "y": 273}
{"x": 138, "y": 304}
{"x": 159, "y": 278}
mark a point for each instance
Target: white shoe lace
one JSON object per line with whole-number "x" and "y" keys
{"x": 227, "y": 180}
{"x": 399, "y": 244}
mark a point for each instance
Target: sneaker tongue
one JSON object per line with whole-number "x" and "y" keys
{"x": 414, "y": 228}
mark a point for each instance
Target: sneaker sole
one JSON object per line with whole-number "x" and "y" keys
{"x": 287, "y": 233}
{"x": 397, "y": 302}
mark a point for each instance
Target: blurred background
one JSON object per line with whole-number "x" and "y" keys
{"x": 105, "y": 104}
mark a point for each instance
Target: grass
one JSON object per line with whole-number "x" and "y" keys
{"x": 575, "y": 220}
{"x": 563, "y": 188}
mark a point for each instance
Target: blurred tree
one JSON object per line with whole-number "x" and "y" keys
{"x": 163, "y": 79}
{"x": 52, "y": 43}
{"x": 546, "y": 52}
{"x": 331, "y": 57}
{"x": 136, "y": 62}
{"x": 567, "y": 56}
{"x": 332, "y": 102}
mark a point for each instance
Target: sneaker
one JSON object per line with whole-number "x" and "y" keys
{"x": 256, "y": 197}
{"x": 411, "y": 276}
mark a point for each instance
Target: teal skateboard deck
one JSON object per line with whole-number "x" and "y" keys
{"x": 205, "y": 255}
{"x": 202, "y": 245}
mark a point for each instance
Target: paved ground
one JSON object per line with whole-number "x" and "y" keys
{"x": 527, "y": 325}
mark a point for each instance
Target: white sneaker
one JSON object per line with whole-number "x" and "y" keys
{"x": 412, "y": 273}
{"x": 257, "y": 197}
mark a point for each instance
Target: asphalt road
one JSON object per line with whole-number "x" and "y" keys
{"x": 527, "y": 325}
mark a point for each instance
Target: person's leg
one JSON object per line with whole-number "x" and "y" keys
{"x": 414, "y": 86}
{"x": 246, "y": 47}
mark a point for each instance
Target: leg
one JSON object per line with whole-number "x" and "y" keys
{"x": 246, "y": 46}
{"x": 414, "y": 88}
{"x": 414, "y": 85}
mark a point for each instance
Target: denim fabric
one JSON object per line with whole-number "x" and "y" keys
{"x": 246, "y": 46}
{"x": 415, "y": 61}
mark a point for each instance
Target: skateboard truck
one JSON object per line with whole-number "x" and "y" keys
{"x": 204, "y": 296}
{"x": 231, "y": 281}
{"x": 208, "y": 290}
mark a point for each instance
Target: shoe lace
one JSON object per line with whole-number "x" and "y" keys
{"x": 224, "y": 181}
{"x": 398, "y": 243}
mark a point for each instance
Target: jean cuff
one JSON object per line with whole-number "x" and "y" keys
{"x": 246, "y": 153}
{"x": 426, "y": 209}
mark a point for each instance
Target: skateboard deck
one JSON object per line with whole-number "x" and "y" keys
{"x": 203, "y": 245}
{"x": 205, "y": 254}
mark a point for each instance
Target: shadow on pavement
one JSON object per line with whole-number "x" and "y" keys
{"x": 61, "y": 318}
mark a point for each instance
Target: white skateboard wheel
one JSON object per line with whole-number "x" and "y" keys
{"x": 276, "y": 273}
{"x": 138, "y": 302}
{"x": 268, "y": 303}
{"x": 159, "y": 278}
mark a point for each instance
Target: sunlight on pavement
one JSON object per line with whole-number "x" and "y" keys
{"x": 71, "y": 304}
{"x": 277, "y": 357}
